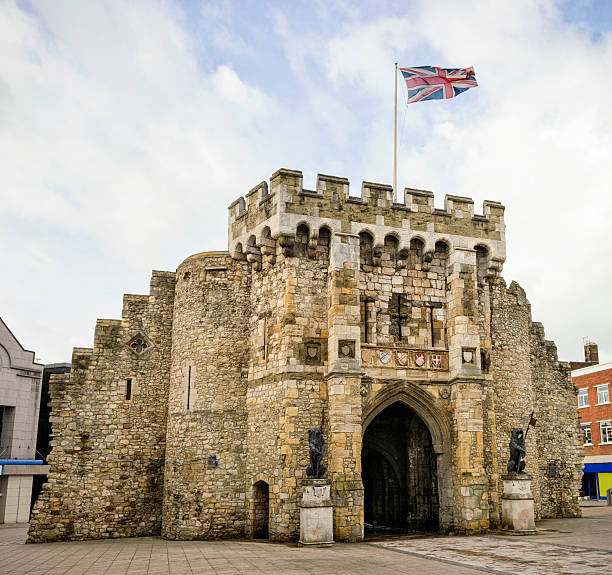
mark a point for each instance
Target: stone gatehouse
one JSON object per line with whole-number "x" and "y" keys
{"x": 386, "y": 323}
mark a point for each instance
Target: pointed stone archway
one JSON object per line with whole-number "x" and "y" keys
{"x": 399, "y": 473}
{"x": 406, "y": 461}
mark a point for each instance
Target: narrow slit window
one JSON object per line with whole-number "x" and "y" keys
{"x": 399, "y": 317}
{"x": 128, "y": 390}
{"x": 367, "y": 315}
{"x": 395, "y": 317}
{"x": 431, "y": 326}
{"x": 188, "y": 387}
{"x": 265, "y": 339}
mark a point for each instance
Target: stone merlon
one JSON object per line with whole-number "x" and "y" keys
{"x": 276, "y": 210}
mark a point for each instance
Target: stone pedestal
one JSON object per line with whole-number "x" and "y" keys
{"x": 517, "y": 505}
{"x": 316, "y": 513}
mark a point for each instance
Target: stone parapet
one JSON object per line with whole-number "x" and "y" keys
{"x": 275, "y": 211}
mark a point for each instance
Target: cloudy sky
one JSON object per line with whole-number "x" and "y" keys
{"x": 127, "y": 128}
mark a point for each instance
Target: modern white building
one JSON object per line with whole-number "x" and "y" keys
{"x": 20, "y": 384}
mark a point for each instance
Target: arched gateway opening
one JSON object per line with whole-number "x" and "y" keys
{"x": 399, "y": 473}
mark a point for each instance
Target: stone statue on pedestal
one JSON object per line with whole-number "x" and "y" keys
{"x": 517, "y": 452}
{"x": 316, "y": 442}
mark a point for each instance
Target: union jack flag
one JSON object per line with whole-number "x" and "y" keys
{"x": 431, "y": 83}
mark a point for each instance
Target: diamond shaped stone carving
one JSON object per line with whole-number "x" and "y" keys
{"x": 139, "y": 344}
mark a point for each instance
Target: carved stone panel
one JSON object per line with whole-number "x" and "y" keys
{"x": 346, "y": 348}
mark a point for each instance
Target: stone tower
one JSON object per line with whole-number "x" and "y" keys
{"x": 386, "y": 323}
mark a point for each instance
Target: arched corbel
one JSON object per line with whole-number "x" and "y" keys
{"x": 427, "y": 258}
{"x": 377, "y": 252}
{"x": 238, "y": 254}
{"x": 268, "y": 250}
{"x": 286, "y": 242}
{"x": 312, "y": 244}
{"x": 495, "y": 267}
{"x": 254, "y": 257}
{"x": 402, "y": 259}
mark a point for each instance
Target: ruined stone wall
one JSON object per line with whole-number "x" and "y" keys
{"x": 514, "y": 394}
{"x": 559, "y": 438}
{"x": 528, "y": 376}
{"x": 108, "y": 443}
{"x": 207, "y": 400}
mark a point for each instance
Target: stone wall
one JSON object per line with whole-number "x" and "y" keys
{"x": 108, "y": 444}
{"x": 542, "y": 385}
{"x": 559, "y": 438}
{"x": 206, "y": 403}
{"x": 511, "y": 370}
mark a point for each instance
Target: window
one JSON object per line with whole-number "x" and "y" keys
{"x": 586, "y": 429}
{"x": 605, "y": 428}
{"x": 603, "y": 395}
{"x": 398, "y": 313}
{"x": 128, "y": 390}
{"x": 368, "y": 319}
{"x": 189, "y": 388}
{"x": 583, "y": 397}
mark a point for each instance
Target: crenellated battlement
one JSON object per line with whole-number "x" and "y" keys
{"x": 270, "y": 212}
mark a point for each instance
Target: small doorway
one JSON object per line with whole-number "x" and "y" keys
{"x": 261, "y": 510}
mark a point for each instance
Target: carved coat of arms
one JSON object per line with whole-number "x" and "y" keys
{"x": 365, "y": 388}
{"x": 436, "y": 360}
{"x": 419, "y": 358}
{"x": 402, "y": 358}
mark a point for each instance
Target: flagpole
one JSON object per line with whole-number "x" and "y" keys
{"x": 530, "y": 420}
{"x": 395, "y": 141}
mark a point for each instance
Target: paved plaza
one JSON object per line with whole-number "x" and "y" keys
{"x": 562, "y": 546}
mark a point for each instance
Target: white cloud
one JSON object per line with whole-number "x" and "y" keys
{"x": 125, "y": 132}
{"x": 112, "y": 134}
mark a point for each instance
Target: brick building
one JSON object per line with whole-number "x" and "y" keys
{"x": 386, "y": 323}
{"x": 595, "y": 411}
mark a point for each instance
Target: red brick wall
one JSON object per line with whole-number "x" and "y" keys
{"x": 595, "y": 413}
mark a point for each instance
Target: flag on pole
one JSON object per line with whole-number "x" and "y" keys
{"x": 431, "y": 83}
{"x": 532, "y": 420}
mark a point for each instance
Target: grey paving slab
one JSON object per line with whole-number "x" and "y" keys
{"x": 563, "y": 546}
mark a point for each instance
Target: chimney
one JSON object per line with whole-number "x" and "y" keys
{"x": 591, "y": 353}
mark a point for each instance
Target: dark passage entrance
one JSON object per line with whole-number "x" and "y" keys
{"x": 399, "y": 473}
{"x": 261, "y": 511}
